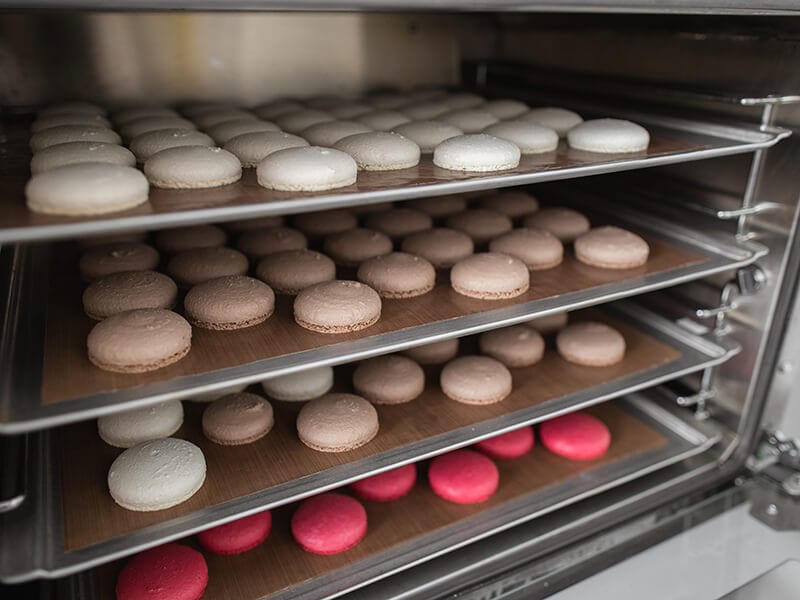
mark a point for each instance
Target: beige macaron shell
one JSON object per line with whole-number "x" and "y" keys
{"x": 611, "y": 248}
{"x": 126, "y": 429}
{"x": 307, "y": 169}
{"x": 297, "y": 120}
{"x": 192, "y": 167}
{"x": 440, "y": 246}
{"x": 126, "y": 115}
{"x": 337, "y": 307}
{"x": 237, "y": 419}
{"x": 458, "y": 100}
{"x": 202, "y": 264}
{"x": 128, "y": 290}
{"x": 212, "y": 118}
{"x": 328, "y": 133}
{"x": 228, "y": 303}
{"x": 609, "y": 136}
{"x": 351, "y": 110}
{"x": 72, "y": 153}
{"x": 81, "y": 119}
{"x": 291, "y": 271}
{"x": 428, "y": 134}
{"x": 512, "y": 203}
{"x": 252, "y": 148}
{"x": 529, "y": 137}
{"x": 380, "y": 151}
{"x": 561, "y": 120}
{"x": 337, "y": 423}
{"x": 481, "y": 224}
{"x": 537, "y": 248}
{"x": 389, "y": 379}
{"x": 227, "y": 130}
{"x": 137, "y": 127}
{"x": 435, "y": 353}
{"x": 490, "y": 276}
{"x": 476, "y": 380}
{"x": 75, "y": 106}
{"x": 383, "y": 120}
{"x": 478, "y": 153}
{"x": 177, "y": 240}
{"x": 351, "y": 247}
{"x": 505, "y": 108}
{"x": 591, "y": 344}
{"x": 549, "y": 323}
{"x": 515, "y": 346}
{"x": 469, "y": 120}
{"x": 398, "y": 275}
{"x": 301, "y": 386}
{"x": 275, "y": 108}
{"x": 398, "y": 222}
{"x": 258, "y": 243}
{"x": 324, "y": 223}
{"x": 149, "y": 143}
{"x": 564, "y": 223}
{"x": 106, "y": 259}
{"x": 72, "y": 133}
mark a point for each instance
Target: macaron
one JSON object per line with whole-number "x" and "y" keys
{"x": 147, "y": 144}
{"x": 329, "y": 523}
{"x": 440, "y": 206}
{"x": 508, "y": 446}
{"x": 611, "y": 248}
{"x": 192, "y": 167}
{"x": 504, "y": 108}
{"x": 427, "y": 134}
{"x": 296, "y": 121}
{"x": 383, "y": 120}
{"x": 591, "y": 344}
{"x": 576, "y": 436}
{"x": 435, "y": 353}
{"x": 387, "y": 486}
{"x": 475, "y": 380}
{"x": 564, "y": 223}
{"x": 479, "y": 152}
{"x": 440, "y": 246}
{"x": 258, "y": 243}
{"x": 241, "y": 225}
{"x": 350, "y": 110}
{"x": 227, "y": 130}
{"x": 130, "y": 113}
{"x": 387, "y": 100}
{"x": 75, "y": 106}
{"x": 490, "y": 276}
{"x": 275, "y": 108}
{"x": 380, "y": 151}
{"x": 481, "y": 224}
{"x": 469, "y": 120}
{"x": 237, "y": 419}
{"x": 112, "y": 238}
{"x": 561, "y": 120}
{"x": 201, "y": 107}
{"x": 291, "y": 271}
{"x": 337, "y": 307}
{"x": 300, "y": 386}
{"x": 218, "y": 393}
{"x": 549, "y": 323}
{"x": 352, "y": 247}
{"x": 398, "y": 275}
{"x": 230, "y": 302}
{"x": 609, "y": 136}
{"x": 325, "y": 223}
{"x": 463, "y": 477}
{"x": 390, "y": 379}
{"x": 71, "y": 153}
{"x": 128, "y": 290}
{"x": 211, "y": 118}
{"x": 137, "y": 127}
{"x": 515, "y": 346}
{"x": 173, "y": 241}
{"x": 328, "y": 133}
{"x": 237, "y": 536}
{"x": 202, "y": 264}
{"x": 156, "y": 475}
{"x": 101, "y": 261}
{"x": 398, "y": 222}
{"x": 86, "y": 188}
{"x": 458, "y": 100}
{"x": 537, "y": 248}
{"x": 72, "y": 133}
{"x": 131, "y": 427}
{"x": 251, "y": 148}
{"x": 139, "y": 340}
{"x": 337, "y": 423}
{"x": 425, "y": 109}
{"x": 530, "y": 138}
{"x": 512, "y": 203}
{"x": 168, "y": 572}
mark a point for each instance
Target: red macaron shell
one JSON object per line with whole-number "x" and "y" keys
{"x": 577, "y": 436}
{"x": 329, "y": 523}
{"x": 387, "y": 486}
{"x": 168, "y": 572}
{"x": 237, "y": 536}
{"x": 463, "y": 477}
{"x": 513, "y": 444}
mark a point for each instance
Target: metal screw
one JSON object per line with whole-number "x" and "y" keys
{"x": 785, "y": 367}
{"x": 772, "y": 510}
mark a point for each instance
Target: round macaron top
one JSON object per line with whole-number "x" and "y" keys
{"x": 476, "y": 380}
{"x": 275, "y": 108}
{"x": 463, "y": 477}
{"x": 227, "y": 130}
{"x": 515, "y": 346}
{"x": 440, "y": 206}
{"x": 399, "y": 222}
{"x": 237, "y": 419}
{"x": 71, "y": 153}
{"x": 131, "y": 113}
{"x": 307, "y": 169}
{"x": 69, "y": 118}
{"x": 391, "y": 379}
{"x": 201, "y": 107}
{"x": 192, "y": 167}
{"x": 609, "y": 136}
{"x": 383, "y": 120}
{"x": 435, "y": 353}
{"x": 458, "y": 100}
{"x": 337, "y": 423}
{"x": 237, "y": 536}
{"x": 481, "y": 224}
{"x": 137, "y": 127}
{"x": 157, "y": 474}
{"x": 387, "y": 486}
{"x": 86, "y": 188}
{"x": 490, "y": 276}
{"x": 131, "y": 427}
{"x": 387, "y": 100}
{"x": 291, "y": 271}
{"x": 324, "y": 223}
{"x": 380, "y": 151}
{"x": 576, "y": 436}
{"x": 301, "y": 386}
{"x": 350, "y": 110}
{"x": 168, "y": 572}
{"x": 428, "y": 134}
{"x": 201, "y": 264}
{"x": 564, "y": 223}
{"x": 251, "y": 148}
{"x": 591, "y": 344}
{"x": 329, "y": 523}
{"x": 180, "y": 239}
{"x": 469, "y": 120}
{"x": 241, "y": 225}
{"x": 106, "y": 259}
{"x": 211, "y": 118}
{"x": 147, "y": 144}
{"x": 72, "y": 133}
{"x": 559, "y": 119}
{"x": 440, "y": 246}
{"x": 512, "y": 203}
{"x": 478, "y": 152}
{"x": 328, "y": 133}
{"x": 549, "y": 323}
{"x": 128, "y": 290}
{"x": 139, "y": 340}
{"x": 505, "y": 108}
{"x": 425, "y": 109}
{"x": 537, "y": 248}
{"x": 74, "y": 106}
{"x": 508, "y": 446}
{"x": 257, "y": 243}
{"x": 351, "y": 247}
{"x": 337, "y": 306}
{"x": 296, "y": 121}
{"x": 612, "y": 248}
{"x": 398, "y": 275}
{"x": 529, "y": 137}
{"x": 230, "y": 302}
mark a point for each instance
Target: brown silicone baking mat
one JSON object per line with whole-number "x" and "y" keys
{"x": 91, "y": 516}
{"x": 279, "y": 563}
{"x": 68, "y": 374}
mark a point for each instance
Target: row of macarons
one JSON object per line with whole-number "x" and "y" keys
{"x": 335, "y": 522}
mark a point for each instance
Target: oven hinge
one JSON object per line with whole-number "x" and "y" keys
{"x": 775, "y": 499}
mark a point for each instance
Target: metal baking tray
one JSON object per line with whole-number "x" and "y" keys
{"x": 36, "y": 530}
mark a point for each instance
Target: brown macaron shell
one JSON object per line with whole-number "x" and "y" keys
{"x": 549, "y": 323}
{"x": 564, "y": 223}
{"x": 390, "y": 379}
{"x": 128, "y": 290}
{"x": 440, "y": 246}
{"x": 107, "y": 259}
{"x": 337, "y": 306}
{"x": 591, "y": 344}
{"x": 398, "y": 275}
{"x": 512, "y": 203}
{"x": 181, "y": 239}
{"x": 337, "y": 423}
{"x": 237, "y": 419}
{"x": 537, "y": 248}
{"x": 612, "y": 248}
{"x": 258, "y": 243}
{"x": 352, "y": 247}
{"x": 227, "y": 303}
{"x": 490, "y": 276}
{"x": 328, "y": 222}
{"x": 291, "y": 271}
{"x": 515, "y": 346}
{"x": 398, "y": 222}
{"x": 203, "y": 264}
{"x": 481, "y": 224}
{"x": 440, "y": 206}
{"x": 435, "y": 353}
{"x": 476, "y": 380}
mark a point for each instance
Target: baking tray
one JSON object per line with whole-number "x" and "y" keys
{"x": 49, "y": 381}
{"x": 673, "y": 140}
{"x": 421, "y": 526}
{"x": 68, "y": 499}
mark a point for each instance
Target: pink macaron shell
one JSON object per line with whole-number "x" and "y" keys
{"x": 576, "y": 436}
{"x": 463, "y": 477}
{"x": 508, "y": 446}
{"x": 329, "y": 523}
{"x": 387, "y": 486}
{"x": 237, "y": 536}
{"x": 168, "y": 572}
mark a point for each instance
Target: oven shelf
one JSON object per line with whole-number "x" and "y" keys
{"x": 50, "y": 382}
{"x": 673, "y": 140}
{"x": 69, "y": 500}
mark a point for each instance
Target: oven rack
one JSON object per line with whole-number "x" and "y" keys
{"x": 37, "y": 526}
{"x": 22, "y": 408}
